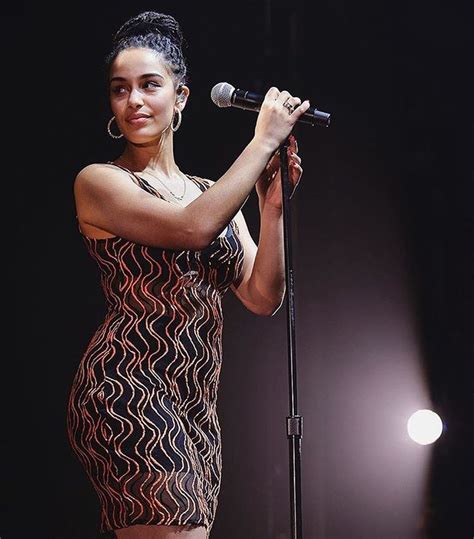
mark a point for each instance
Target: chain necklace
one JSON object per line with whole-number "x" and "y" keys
{"x": 177, "y": 197}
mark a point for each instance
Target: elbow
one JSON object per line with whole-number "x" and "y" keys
{"x": 268, "y": 309}
{"x": 275, "y": 309}
{"x": 196, "y": 238}
{"x": 200, "y": 236}
{"x": 257, "y": 302}
{"x": 198, "y": 243}
{"x": 265, "y": 312}
{"x": 201, "y": 240}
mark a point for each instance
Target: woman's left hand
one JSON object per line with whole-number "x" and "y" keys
{"x": 268, "y": 186}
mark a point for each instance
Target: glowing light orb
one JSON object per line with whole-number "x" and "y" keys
{"x": 424, "y": 427}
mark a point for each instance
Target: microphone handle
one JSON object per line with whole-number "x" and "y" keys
{"x": 246, "y": 100}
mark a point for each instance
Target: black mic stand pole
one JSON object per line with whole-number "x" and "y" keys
{"x": 294, "y": 422}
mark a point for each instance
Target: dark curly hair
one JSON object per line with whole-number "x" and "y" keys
{"x": 155, "y": 31}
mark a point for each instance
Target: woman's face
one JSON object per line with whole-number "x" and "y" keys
{"x": 142, "y": 95}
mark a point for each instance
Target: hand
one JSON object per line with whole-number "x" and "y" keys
{"x": 278, "y": 114}
{"x": 268, "y": 185}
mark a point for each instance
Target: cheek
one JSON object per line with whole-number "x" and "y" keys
{"x": 117, "y": 106}
{"x": 162, "y": 105}
{"x": 163, "y": 111}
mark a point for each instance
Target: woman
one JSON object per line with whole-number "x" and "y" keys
{"x": 142, "y": 408}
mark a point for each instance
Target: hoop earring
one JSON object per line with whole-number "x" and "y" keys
{"x": 175, "y": 127}
{"x": 109, "y": 129}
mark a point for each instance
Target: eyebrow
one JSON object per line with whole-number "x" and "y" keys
{"x": 144, "y": 76}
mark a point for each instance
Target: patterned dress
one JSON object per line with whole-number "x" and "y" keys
{"x": 141, "y": 415}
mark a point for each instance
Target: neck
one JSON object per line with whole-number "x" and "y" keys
{"x": 157, "y": 157}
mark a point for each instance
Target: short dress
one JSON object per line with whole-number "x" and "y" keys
{"x": 141, "y": 413}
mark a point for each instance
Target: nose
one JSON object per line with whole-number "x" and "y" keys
{"x": 135, "y": 98}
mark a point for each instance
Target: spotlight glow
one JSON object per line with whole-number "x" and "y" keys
{"x": 424, "y": 427}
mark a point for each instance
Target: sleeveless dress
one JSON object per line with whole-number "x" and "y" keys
{"x": 141, "y": 414}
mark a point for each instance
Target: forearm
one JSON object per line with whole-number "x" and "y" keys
{"x": 266, "y": 286}
{"x": 211, "y": 212}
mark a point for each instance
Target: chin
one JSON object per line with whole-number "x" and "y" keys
{"x": 145, "y": 138}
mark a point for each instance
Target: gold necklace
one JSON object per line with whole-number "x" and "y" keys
{"x": 177, "y": 197}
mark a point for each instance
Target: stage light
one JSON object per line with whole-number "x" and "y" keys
{"x": 424, "y": 427}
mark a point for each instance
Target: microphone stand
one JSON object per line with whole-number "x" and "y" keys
{"x": 294, "y": 422}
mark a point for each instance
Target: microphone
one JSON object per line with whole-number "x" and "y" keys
{"x": 224, "y": 94}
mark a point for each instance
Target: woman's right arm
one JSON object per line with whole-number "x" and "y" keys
{"x": 108, "y": 200}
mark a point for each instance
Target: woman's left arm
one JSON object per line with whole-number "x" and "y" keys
{"x": 261, "y": 286}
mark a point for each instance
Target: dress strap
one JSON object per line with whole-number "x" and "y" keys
{"x": 141, "y": 182}
{"x": 133, "y": 174}
{"x": 200, "y": 182}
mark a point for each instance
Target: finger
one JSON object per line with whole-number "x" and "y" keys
{"x": 283, "y": 97}
{"x": 292, "y": 143}
{"x": 294, "y": 189}
{"x": 291, "y": 103}
{"x": 295, "y": 158}
{"x": 300, "y": 110}
{"x": 294, "y": 101}
{"x": 272, "y": 93}
{"x": 293, "y": 146}
{"x": 296, "y": 172}
{"x": 291, "y": 151}
{"x": 296, "y": 167}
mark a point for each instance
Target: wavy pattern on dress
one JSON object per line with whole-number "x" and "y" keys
{"x": 141, "y": 414}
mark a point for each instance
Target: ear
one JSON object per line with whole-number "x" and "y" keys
{"x": 182, "y": 94}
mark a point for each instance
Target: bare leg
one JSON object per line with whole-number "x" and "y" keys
{"x": 140, "y": 531}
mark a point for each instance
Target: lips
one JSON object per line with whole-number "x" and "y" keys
{"x": 137, "y": 118}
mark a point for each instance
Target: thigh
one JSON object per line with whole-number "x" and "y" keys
{"x": 140, "y": 531}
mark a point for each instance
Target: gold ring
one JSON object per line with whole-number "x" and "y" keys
{"x": 288, "y": 106}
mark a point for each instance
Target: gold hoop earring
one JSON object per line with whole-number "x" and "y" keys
{"x": 109, "y": 129}
{"x": 175, "y": 127}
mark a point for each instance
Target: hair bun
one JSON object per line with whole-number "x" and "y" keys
{"x": 151, "y": 22}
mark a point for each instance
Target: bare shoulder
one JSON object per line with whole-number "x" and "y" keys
{"x": 101, "y": 178}
{"x": 97, "y": 171}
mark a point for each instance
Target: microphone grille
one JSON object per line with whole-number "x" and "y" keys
{"x": 221, "y": 94}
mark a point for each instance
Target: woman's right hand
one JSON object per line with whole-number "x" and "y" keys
{"x": 278, "y": 114}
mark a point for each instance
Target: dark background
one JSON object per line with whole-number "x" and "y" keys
{"x": 386, "y": 198}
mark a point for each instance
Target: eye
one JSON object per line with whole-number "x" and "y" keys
{"x": 150, "y": 84}
{"x": 117, "y": 89}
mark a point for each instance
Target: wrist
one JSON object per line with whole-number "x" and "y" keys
{"x": 270, "y": 211}
{"x": 266, "y": 147}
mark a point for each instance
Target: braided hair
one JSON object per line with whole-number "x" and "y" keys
{"x": 155, "y": 31}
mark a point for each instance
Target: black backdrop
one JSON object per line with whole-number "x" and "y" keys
{"x": 389, "y": 185}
